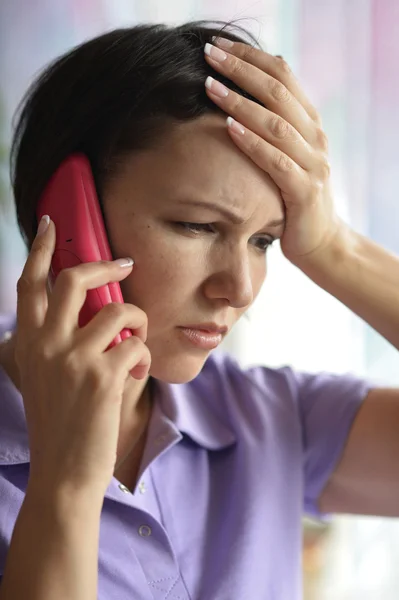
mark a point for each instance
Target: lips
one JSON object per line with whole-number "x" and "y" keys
{"x": 208, "y": 328}
{"x": 205, "y": 340}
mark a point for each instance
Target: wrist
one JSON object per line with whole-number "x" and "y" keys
{"x": 331, "y": 262}
{"x": 64, "y": 501}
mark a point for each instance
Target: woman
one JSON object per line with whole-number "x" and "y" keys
{"x": 188, "y": 479}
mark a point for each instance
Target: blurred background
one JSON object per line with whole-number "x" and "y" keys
{"x": 344, "y": 53}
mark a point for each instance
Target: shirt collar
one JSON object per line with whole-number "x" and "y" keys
{"x": 191, "y": 412}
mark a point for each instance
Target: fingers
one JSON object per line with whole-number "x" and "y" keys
{"x": 275, "y": 66}
{"x": 131, "y": 356}
{"x": 105, "y": 326}
{"x": 292, "y": 180}
{"x": 70, "y": 290}
{"x": 263, "y": 122}
{"x": 32, "y": 284}
{"x": 248, "y": 71}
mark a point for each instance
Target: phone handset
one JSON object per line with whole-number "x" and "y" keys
{"x": 70, "y": 199}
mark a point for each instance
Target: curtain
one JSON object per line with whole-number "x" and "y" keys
{"x": 344, "y": 54}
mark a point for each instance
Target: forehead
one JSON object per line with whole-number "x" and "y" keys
{"x": 197, "y": 159}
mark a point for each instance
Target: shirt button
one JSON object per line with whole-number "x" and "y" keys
{"x": 6, "y": 336}
{"x": 145, "y": 531}
{"x": 142, "y": 487}
{"x": 124, "y": 488}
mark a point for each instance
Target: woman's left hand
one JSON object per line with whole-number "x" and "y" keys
{"x": 286, "y": 141}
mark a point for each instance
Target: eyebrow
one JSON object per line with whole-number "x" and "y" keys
{"x": 227, "y": 213}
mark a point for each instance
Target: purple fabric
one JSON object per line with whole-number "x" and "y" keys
{"x": 233, "y": 460}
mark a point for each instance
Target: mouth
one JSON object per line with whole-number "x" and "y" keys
{"x": 202, "y": 338}
{"x": 213, "y": 328}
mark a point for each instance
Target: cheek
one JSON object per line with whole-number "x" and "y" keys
{"x": 162, "y": 278}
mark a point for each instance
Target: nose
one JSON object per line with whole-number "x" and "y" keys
{"x": 232, "y": 279}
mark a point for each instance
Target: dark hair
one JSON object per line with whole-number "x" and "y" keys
{"x": 107, "y": 97}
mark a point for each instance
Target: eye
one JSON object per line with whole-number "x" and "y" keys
{"x": 263, "y": 244}
{"x": 195, "y": 227}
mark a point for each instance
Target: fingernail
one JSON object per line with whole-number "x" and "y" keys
{"x": 222, "y": 42}
{"x": 124, "y": 262}
{"x": 235, "y": 126}
{"x": 216, "y": 87}
{"x": 44, "y": 223}
{"x": 215, "y": 53}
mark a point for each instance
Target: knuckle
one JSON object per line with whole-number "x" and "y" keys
{"x": 324, "y": 169}
{"x": 136, "y": 344}
{"x": 69, "y": 277}
{"x": 321, "y": 139}
{"x": 281, "y": 162}
{"x": 255, "y": 147}
{"x": 38, "y": 247}
{"x": 278, "y": 91}
{"x": 44, "y": 350}
{"x": 248, "y": 52}
{"x": 280, "y": 128}
{"x": 143, "y": 353}
{"x": 24, "y": 285}
{"x": 315, "y": 190}
{"x": 114, "y": 310}
{"x": 315, "y": 116}
{"x": 97, "y": 377}
{"x": 237, "y": 103}
{"x": 143, "y": 315}
{"x": 73, "y": 362}
{"x": 237, "y": 66}
{"x": 282, "y": 65}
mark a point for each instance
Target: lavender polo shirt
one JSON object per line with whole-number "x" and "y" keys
{"x": 233, "y": 459}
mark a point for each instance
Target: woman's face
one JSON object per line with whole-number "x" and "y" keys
{"x": 182, "y": 276}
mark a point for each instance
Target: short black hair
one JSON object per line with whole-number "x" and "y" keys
{"x": 110, "y": 96}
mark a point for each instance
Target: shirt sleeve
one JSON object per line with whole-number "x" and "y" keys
{"x": 316, "y": 411}
{"x": 328, "y": 405}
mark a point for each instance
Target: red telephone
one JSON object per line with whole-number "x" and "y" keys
{"x": 70, "y": 199}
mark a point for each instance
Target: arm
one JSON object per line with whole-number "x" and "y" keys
{"x": 366, "y": 479}
{"x": 365, "y": 277}
{"x": 54, "y": 548}
{"x": 287, "y": 141}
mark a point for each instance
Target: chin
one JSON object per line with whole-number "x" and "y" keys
{"x": 179, "y": 368}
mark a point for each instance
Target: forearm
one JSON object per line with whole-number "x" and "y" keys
{"x": 53, "y": 551}
{"x": 364, "y": 277}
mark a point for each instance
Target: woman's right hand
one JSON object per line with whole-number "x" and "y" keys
{"x": 71, "y": 386}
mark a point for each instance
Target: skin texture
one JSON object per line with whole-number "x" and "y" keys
{"x": 179, "y": 277}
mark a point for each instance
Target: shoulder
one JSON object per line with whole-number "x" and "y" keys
{"x": 223, "y": 373}
{"x": 247, "y": 396}
{"x": 256, "y": 392}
